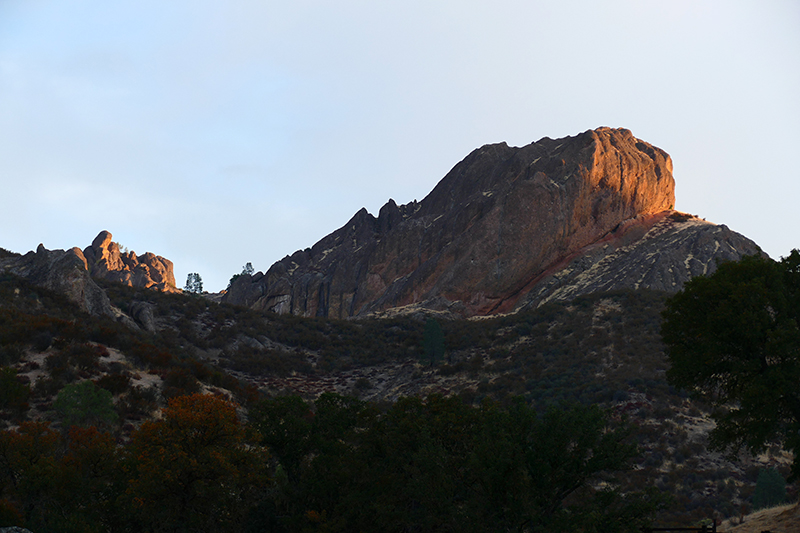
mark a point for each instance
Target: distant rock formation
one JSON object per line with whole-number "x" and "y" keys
{"x": 506, "y": 228}
{"x": 62, "y": 271}
{"x": 147, "y": 271}
{"x": 658, "y": 252}
{"x": 70, "y": 272}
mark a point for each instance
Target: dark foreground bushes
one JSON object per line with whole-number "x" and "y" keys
{"x": 338, "y": 464}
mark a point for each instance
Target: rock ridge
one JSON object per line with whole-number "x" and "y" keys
{"x": 71, "y": 272}
{"x": 479, "y": 243}
{"x": 105, "y": 260}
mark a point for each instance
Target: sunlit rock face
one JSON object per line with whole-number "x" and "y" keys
{"x": 499, "y": 223}
{"x": 105, "y": 261}
{"x": 71, "y": 272}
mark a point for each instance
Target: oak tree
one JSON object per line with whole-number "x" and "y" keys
{"x": 733, "y": 338}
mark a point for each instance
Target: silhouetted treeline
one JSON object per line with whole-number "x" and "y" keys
{"x": 338, "y": 464}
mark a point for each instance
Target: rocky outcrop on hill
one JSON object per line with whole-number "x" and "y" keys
{"x": 147, "y": 271}
{"x": 70, "y": 272}
{"x": 63, "y": 271}
{"x": 500, "y": 223}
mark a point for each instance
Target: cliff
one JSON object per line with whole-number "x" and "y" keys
{"x": 500, "y": 223}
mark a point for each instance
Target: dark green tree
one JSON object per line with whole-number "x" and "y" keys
{"x": 13, "y": 394}
{"x": 84, "y": 403}
{"x": 433, "y": 341}
{"x": 770, "y": 489}
{"x": 194, "y": 283}
{"x": 247, "y": 270}
{"x": 733, "y": 338}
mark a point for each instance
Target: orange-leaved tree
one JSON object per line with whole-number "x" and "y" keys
{"x": 193, "y": 469}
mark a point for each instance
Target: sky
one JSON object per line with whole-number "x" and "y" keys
{"x": 216, "y": 133}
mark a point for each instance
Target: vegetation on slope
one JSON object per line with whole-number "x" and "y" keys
{"x": 597, "y": 350}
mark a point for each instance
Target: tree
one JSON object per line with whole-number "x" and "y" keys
{"x": 84, "y": 403}
{"x": 433, "y": 341}
{"x": 13, "y": 394}
{"x": 733, "y": 338}
{"x": 247, "y": 270}
{"x": 193, "y": 469}
{"x": 770, "y": 489}
{"x": 194, "y": 283}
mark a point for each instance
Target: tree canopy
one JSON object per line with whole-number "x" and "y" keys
{"x": 194, "y": 283}
{"x": 733, "y": 338}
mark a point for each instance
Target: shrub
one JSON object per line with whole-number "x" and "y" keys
{"x": 85, "y": 403}
{"x": 770, "y": 489}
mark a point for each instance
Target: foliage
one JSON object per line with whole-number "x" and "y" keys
{"x": 85, "y": 403}
{"x": 13, "y": 394}
{"x": 193, "y": 469}
{"x": 194, "y": 283}
{"x": 770, "y": 489}
{"x": 441, "y": 465}
{"x": 433, "y": 341}
{"x": 734, "y": 338}
{"x": 247, "y": 270}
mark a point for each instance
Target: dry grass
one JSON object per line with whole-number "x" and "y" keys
{"x": 780, "y": 519}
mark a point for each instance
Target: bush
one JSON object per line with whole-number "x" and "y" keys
{"x": 770, "y": 489}
{"x": 85, "y": 404}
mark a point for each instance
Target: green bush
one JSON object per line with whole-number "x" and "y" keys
{"x": 85, "y": 404}
{"x": 770, "y": 489}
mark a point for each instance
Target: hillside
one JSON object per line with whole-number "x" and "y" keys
{"x": 600, "y": 349}
{"x": 541, "y": 270}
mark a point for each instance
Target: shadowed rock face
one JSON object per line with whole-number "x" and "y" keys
{"x": 503, "y": 222}
{"x": 62, "y": 271}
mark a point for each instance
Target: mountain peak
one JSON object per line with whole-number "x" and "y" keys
{"x": 498, "y": 223}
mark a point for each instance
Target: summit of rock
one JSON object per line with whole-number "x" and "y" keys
{"x": 501, "y": 221}
{"x": 105, "y": 260}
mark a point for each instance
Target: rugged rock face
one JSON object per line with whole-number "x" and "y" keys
{"x": 70, "y": 272}
{"x": 105, "y": 261}
{"x": 659, "y": 252}
{"x": 493, "y": 235}
{"x": 63, "y": 271}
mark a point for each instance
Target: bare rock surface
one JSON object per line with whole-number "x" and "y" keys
{"x": 658, "y": 252}
{"x": 63, "y": 271}
{"x": 499, "y": 223}
{"x": 106, "y": 261}
{"x": 71, "y": 272}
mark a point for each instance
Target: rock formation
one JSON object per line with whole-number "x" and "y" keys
{"x": 70, "y": 272}
{"x": 148, "y": 271}
{"x": 658, "y": 252}
{"x": 500, "y": 223}
{"x": 506, "y": 228}
{"x": 62, "y": 271}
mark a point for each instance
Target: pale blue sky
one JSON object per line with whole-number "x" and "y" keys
{"x": 216, "y": 133}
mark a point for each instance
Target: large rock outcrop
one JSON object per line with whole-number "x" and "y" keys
{"x": 62, "y": 271}
{"x": 147, "y": 271}
{"x": 71, "y": 272}
{"x": 501, "y": 223}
